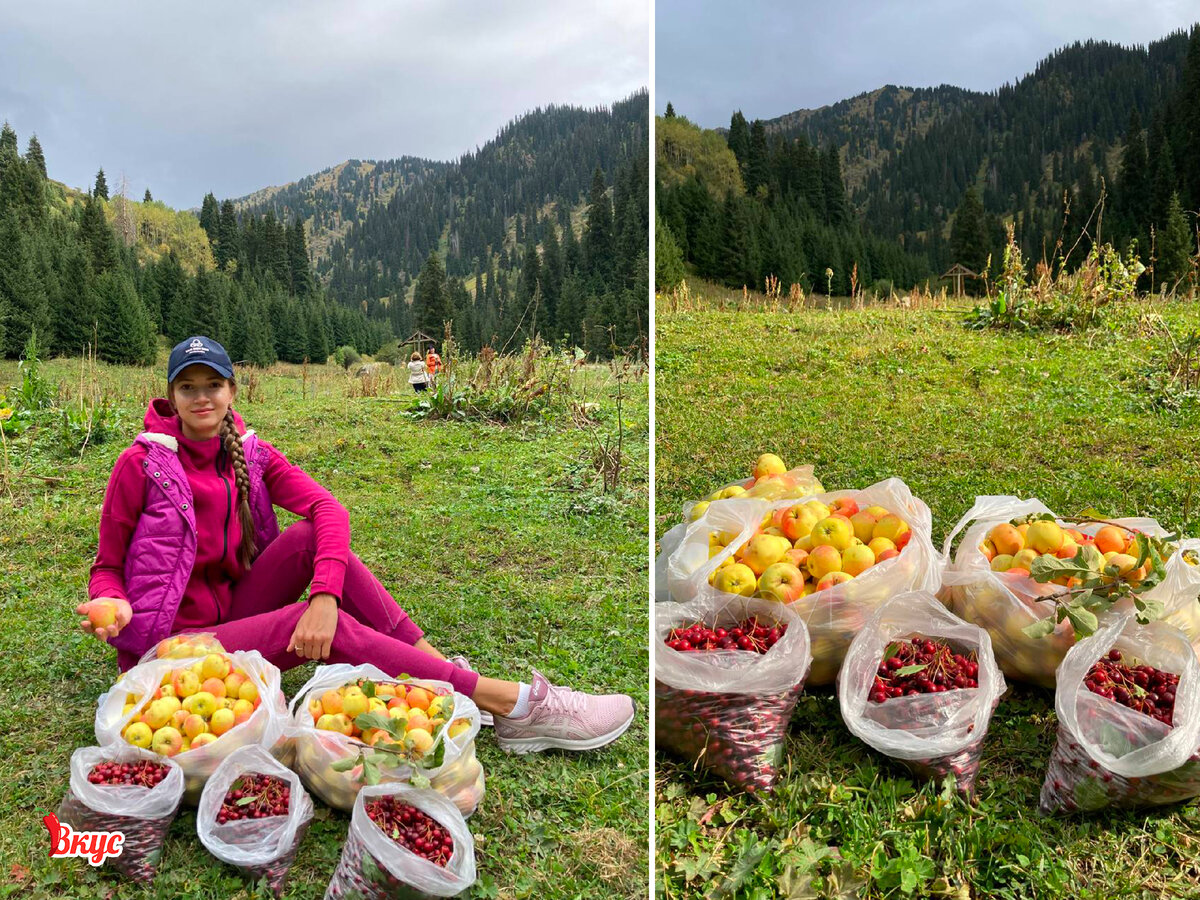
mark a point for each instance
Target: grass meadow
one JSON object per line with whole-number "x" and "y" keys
{"x": 499, "y": 541}
{"x": 1095, "y": 419}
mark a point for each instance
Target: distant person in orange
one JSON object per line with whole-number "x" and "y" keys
{"x": 433, "y": 363}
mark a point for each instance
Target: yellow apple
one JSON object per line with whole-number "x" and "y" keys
{"x": 186, "y": 683}
{"x": 418, "y": 739}
{"x": 856, "y": 559}
{"x": 769, "y": 464}
{"x": 222, "y": 720}
{"x": 864, "y": 522}
{"x": 166, "y": 741}
{"x": 832, "y": 579}
{"x": 214, "y": 666}
{"x": 1023, "y": 559}
{"x": 823, "y": 560}
{"x": 139, "y": 734}
{"x": 457, "y": 727}
{"x": 833, "y": 531}
{"x": 819, "y": 510}
{"x": 194, "y": 725}
{"x": 891, "y": 527}
{"x": 354, "y": 705}
{"x": 203, "y": 738}
{"x": 202, "y": 703}
{"x": 736, "y": 579}
{"x": 781, "y": 582}
{"x": 1001, "y": 562}
{"x": 797, "y": 521}
{"x": 1044, "y": 537}
{"x": 329, "y": 722}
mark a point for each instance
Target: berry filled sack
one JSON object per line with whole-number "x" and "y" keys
{"x": 1128, "y": 704}
{"x": 920, "y": 685}
{"x": 126, "y": 789}
{"x": 727, "y": 674}
{"x": 404, "y": 843}
{"x": 253, "y": 814}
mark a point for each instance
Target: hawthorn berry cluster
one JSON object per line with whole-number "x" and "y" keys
{"x": 1143, "y": 689}
{"x": 144, "y": 773}
{"x": 922, "y": 666}
{"x": 412, "y": 829}
{"x": 747, "y": 635}
{"x": 255, "y": 797}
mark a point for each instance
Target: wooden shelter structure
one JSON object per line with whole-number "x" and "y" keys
{"x": 419, "y": 339}
{"x": 957, "y": 273}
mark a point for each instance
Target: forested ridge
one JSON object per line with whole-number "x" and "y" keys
{"x": 540, "y": 184}
{"x": 937, "y": 173}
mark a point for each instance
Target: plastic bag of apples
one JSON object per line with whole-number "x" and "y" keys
{"x": 403, "y": 843}
{"x": 834, "y": 557}
{"x": 727, "y": 674}
{"x": 920, "y": 685}
{"x": 123, "y": 788}
{"x": 333, "y": 762}
{"x": 132, "y": 700}
{"x": 253, "y": 814}
{"x": 1128, "y": 705}
{"x": 771, "y": 480}
{"x": 995, "y": 589}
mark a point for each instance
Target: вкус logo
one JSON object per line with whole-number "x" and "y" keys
{"x": 95, "y": 846}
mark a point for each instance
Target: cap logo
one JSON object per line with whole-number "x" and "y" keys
{"x": 196, "y": 346}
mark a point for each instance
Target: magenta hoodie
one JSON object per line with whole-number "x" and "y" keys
{"x": 208, "y": 595}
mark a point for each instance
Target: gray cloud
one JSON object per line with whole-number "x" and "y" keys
{"x": 187, "y": 98}
{"x": 769, "y": 57}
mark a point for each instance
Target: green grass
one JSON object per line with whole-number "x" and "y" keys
{"x": 873, "y": 393}
{"x": 496, "y": 540}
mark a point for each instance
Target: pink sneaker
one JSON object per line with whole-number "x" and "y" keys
{"x": 461, "y": 662}
{"x": 565, "y": 719}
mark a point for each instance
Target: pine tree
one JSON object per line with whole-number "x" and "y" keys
{"x": 833, "y": 187}
{"x": 739, "y": 140}
{"x": 75, "y": 312}
{"x": 1187, "y": 124}
{"x": 8, "y": 140}
{"x": 125, "y": 333}
{"x": 298, "y": 263}
{"x": 1133, "y": 185}
{"x": 670, "y": 114}
{"x": 529, "y": 312}
{"x": 227, "y": 236}
{"x": 147, "y": 198}
{"x": 98, "y": 237}
{"x": 34, "y": 156}
{"x": 429, "y": 308}
{"x": 551, "y": 282}
{"x": 100, "y": 189}
{"x": 756, "y": 158}
{"x": 668, "y": 261}
{"x": 210, "y": 219}
{"x": 598, "y": 236}
{"x": 1176, "y": 246}
{"x": 22, "y": 292}
{"x": 968, "y": 235}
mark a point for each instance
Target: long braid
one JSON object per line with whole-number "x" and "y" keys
{"x": 232, "y": 441}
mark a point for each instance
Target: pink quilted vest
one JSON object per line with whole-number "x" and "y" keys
{"x": 162, "y": 550}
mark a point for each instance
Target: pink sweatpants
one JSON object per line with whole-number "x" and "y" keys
{"x": 371, "y": 626}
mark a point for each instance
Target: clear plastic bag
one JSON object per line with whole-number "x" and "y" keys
{"x": 142, "y": 814}
{"x": 1109, "y": 755}
{"x": 728, "y": 710}
{"x": 265, "y": 725}
{"x": 794, "y": 484}
{"x": 374, "y": 867}
{"x": 1005, "y": 603}
{"x": 261, "y": 847}
{"x": 834, "y": 615}
{"x": 185, "y": 645}
{"x": 933, "y": 734}
{"x": 460, "y": 774}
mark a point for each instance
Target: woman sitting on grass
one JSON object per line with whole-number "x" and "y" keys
{"x": 189, "y": 542}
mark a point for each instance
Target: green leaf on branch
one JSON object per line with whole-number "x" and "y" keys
{"x": 378, "y": 720}
{"x": 368, "y": 689}
{"x": 346, "y": 764}
{"x": 1041, "y": 628}
{"x": 910, "y": 670}
{"x": 1084, "y": 621}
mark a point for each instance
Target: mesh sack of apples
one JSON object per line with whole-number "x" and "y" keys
{"x": 253, "y": 814}
{"x": 834, "y": 558}
{"x": 1035, "y": 581}
{"x": 920, "y": 685}
{"x": 727, "y": 674}
{"x": 356, "y": 725}
{"x": 123, "y": 788}
{"x": 404, "y": 843}
{"x": 196, "y": 710}
{"x": 1128, "y": 705}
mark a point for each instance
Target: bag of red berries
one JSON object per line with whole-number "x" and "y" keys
{"x": 253, "y": 814}
{"x": 404, "y": 843}
{"x": 727, "y": 674}
{"x": 1128, "y": 704}
{"x": 127, "y": 789}
{"x": 919, "y": 685}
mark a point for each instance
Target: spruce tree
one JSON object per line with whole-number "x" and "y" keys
{"x": 739, "y": 140}
{"x": 34, "y": 156}
{"x": 668, "y": 261}
{"x": 100, "y": 189}
{"x": 429, "y": 308}
{"x": 1176, "y": 246}
{"x": 8, "y": 140}
{"x": 968, "y": 235}
{"x": 98, "y": 237}
{"x": 756, "y": 158}
{"x": 598, "y": 235}
{"x": 75, "y": 312}
{"x": 227, "y": 236}
{"x": 210, "y": 219}
{"x": 298, "y": 263}
{"x": 551, "y": 281}
{"x": 1187, "y": 124}
{"x": 670, "y": 114}
{"x": 1133, "y": 185}
{"x": 22, "y": 292}
{"x": 125, "y": 333}
{"x": 833, "y": 187}
{"x": 147, "y": 198}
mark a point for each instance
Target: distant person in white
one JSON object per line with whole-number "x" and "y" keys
{"x": 418, "y": 374}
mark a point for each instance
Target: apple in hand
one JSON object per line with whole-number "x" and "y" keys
{"x": 781, "y": 582}
{"x": 106, "y": 616}
{"x": 736, "y": 579}
{"x": 834, "y": 531}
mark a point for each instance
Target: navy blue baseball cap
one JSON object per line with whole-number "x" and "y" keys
{"x": 202, "y": 351}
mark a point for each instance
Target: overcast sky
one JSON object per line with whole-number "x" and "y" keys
{"x": 189, "y": 97}
{"x": 770, "y": 57}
